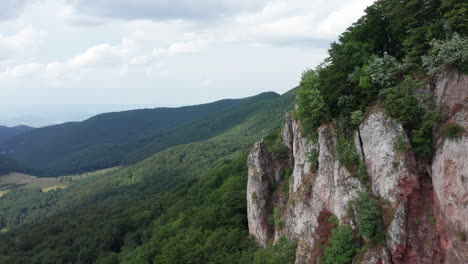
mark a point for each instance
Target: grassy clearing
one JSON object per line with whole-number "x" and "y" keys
{"x": 24, "y": 181}
{"x": 51, "y": 188}
{"x": 92, "y": 173}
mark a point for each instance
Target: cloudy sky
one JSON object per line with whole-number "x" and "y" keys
{"x": 65, "y": 59}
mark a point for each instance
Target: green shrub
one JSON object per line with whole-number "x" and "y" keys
{"x": 357, "y": 117}
{"x": 312, "y": 109}
{"x": 452, "y": 130}
{"x": 422, "y": 136}
{"x": 313, "y": 157}
{"x": 451, "y": 52}
{"x": 347, "y": 153}
{"x": 384, "y": 71}
{"x": 369, "y": 217}
{"x": 401, "y": 104}
{"x": 362, "y": 170}
{"x": 401, "y": 145}
{"x": 368, "y": 90}
{"x": 345, "y": 104}
{"x": 333, "y": 219}
{"x": 286, "y": 179}
{"x": 462, "y": 236}
{"x": 275, "y": 145}
{"x": 341, "y": 249}
{"x": 279, "y": 223}
{"x": 111, "y": 258}
{"x": 309, "y": 79}
{"x": 283, "y": 252}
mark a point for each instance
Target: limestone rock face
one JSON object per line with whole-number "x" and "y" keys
{"x": 329, "y": 187}
{"x": 390, "y": 171}
{"x": 450, "y": 178}
{"x": 258, "y": 193}
{"x": 450, "y": 167}
{"x": 397, "y": 234}
{"x": 451, "y": 90}
{"x": 334, "y": 186}
{"x": 301, "y": 147}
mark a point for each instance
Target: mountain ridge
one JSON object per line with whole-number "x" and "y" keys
{"x": 9, "y": 132}
{"x": 50, "y": 146}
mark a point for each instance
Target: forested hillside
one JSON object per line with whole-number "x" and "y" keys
{"x": 9, "y": 132}
{"x": 42, "y": 147}
{"x": 202, "y": 221}
{"x": 107, "y": 155}
{"x": 8, "y": 165}
{"x": 156, "y": 174}
{"x": 188, "y": 203}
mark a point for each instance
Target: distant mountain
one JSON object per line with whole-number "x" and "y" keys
{"x": 9, "y": 132}
{"x": 30, "y": 120}
{"x": 108, "y": 155}
{"x": 106, "y": 140}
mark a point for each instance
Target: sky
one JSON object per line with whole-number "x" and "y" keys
{"x": 65, "y": 60}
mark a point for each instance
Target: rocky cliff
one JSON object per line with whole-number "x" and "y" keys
{"x": 424, "y": 204}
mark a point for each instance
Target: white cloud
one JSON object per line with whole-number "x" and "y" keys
{"x": 99, "y": 55}
{"x": 343, "y": 17}
{"x": 278, "y": 22}
{"x": 295, "y": 22}
{"x": 183, "y": 47}
{"x": 103, "y": 54}
{"x": 24, "y": 38}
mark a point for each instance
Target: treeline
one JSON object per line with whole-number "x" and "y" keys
{"x": 8, "y": 165}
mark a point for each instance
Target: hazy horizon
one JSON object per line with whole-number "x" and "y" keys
{"x": 151, "y": 53}
{"x": 45, "y": 115}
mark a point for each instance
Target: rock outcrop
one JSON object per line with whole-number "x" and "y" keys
{"x": 391, "y": 172}
{"x": 450, "y": 168}
{"x": 258, "y": 198}
{"x": 425, "y": 204}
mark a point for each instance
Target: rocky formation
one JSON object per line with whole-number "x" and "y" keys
{"x": 258, "y": 199}
{"x": 391, "y": 172}
{"x": 450, "y": 168}
{"x": 425, "y": 205}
